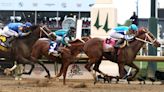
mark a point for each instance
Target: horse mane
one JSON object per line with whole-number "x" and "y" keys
{"x": 64, "y": 50}
{"x": 76, "y": 46}
{"x": 142, "y": 30}
{"x": 76, "y": 41}
{"x": 34, "y": 27}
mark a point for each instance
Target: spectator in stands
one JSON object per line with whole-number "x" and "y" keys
{"x": 134, "y": 19}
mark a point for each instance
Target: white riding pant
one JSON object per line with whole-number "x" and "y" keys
{"x": 8, "y": 32}
{"x": 58, "y": 38}
{"x": 66, "y": 39}
{"x": 115, "y": 35}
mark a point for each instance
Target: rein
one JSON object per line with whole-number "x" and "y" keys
{"x": 47, "y": 34}
{"x": 82, "y": 40}
{"x": 147, "y": 36}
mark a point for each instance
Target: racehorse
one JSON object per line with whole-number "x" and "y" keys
{"x": 68, "y": 54}
{"x": 93, "y": 48}
{"x": 22, "y": 47}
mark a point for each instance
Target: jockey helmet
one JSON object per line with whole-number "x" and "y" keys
{"x": 133, "y": 27}
{"x": 27, "y": 24}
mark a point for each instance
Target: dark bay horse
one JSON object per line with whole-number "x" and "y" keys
{"x": 22, "y": 47}
{"x": 68, "y": 54}
{"x": 125, "y": 56}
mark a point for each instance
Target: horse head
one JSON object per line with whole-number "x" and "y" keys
{"x": 41, "y": 31}
{"x": 146, "y": 36}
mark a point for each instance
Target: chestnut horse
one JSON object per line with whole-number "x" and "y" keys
{"x": 22, "y": 47}
{"x": 123, "y": 56}
{"x": 68, "y": 54}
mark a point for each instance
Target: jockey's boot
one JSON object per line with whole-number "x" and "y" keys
{"x": 118, "y": 43}
{"x": 9, "y": 40}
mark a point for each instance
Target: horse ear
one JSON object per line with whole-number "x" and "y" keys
{"x": 141, "y": 30}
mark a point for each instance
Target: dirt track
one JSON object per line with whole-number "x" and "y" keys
{"x": 42, "y": 85}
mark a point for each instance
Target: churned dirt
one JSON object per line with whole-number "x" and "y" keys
{"x": 44, "y": 85}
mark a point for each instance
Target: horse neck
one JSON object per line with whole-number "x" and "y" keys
{"x": 76, "y": 48}
{"x": 31, "y": 39}
{"x": 136, "y": 46}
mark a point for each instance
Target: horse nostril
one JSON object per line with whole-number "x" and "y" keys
{"x": 159, "y": 45}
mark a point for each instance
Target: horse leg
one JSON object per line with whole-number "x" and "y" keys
{"x": 121, "y": 71}
{"x": 136, "y": 71}
{"x": 61, "y": 71}
{"x": 65, "y": 68}
{"x": 30, "y": 71}
{"x": 88, "y": 65}
{"x": 96, "y": 67}
{"x": 48, "y": 73}
{"x": 26, "y": 61}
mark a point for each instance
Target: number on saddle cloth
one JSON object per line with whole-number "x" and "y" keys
{"x": 53, "y": 46}
{"x": 108, "y": 43}
{"x": 3, "y": 39}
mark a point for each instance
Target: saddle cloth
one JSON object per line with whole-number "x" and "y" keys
{"x": 3, "y": 39}
{"x": 108, "y": 44}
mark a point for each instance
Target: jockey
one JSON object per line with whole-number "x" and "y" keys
{"x": 13, "y": 30}
{"x": 53, "y": 49}
{"x": 69, "y": 36}
{"x": 65, "y": 36}
{"x": 123, "y": 33}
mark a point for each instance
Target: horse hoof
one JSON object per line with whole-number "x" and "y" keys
{"x": 128, "y": 82}
{"x": 47, "y": 76}
{"x": 129, "y": 79}
{"x": 116, "y": 82}
{"x": 95, "y": 82}
{"x": 55, "y": 78}
{"x": 25, "y": 73}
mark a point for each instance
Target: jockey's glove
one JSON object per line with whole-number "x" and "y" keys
{"x": 68, "y": 45}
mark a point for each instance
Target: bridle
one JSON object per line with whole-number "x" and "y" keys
{"x": 147, "y": 37}
{"x": 45, "y": 32}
